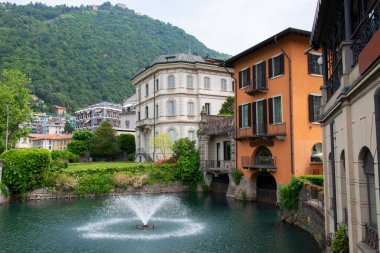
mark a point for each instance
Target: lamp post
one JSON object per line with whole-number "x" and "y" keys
{"x": 6, "y": 134}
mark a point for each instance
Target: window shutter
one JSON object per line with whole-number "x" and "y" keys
{"x": 240, "y": 116}
{"x": 309, "y": 63}
{"x": 264, "y": 75}
{"x": 254, "y": 77}
{"x": 270, "y": 110}
{"x": 254, "y": 117}
{"x": 240, "y": 79}
{"x": 249, "y": 115}
{"x": 248, "y": 76}
{"x": 282, "y": 71}
{"x": 311, "y": 111}
{"x": 265, "y": 116}
{"x": 270, "y": 68}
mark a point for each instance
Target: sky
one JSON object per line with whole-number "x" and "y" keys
{"x": 228, "y": 26}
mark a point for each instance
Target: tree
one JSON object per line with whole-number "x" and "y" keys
{"x": 14, "y": 100}
{"x": 127, "y": 143}
{"x": 104, "y": 144}
{"x": 227, "y": 108}
{"x": 183, "y": 146}
{"x": 68, "y": 128}
{"x": 81, "y": 142}
{"x": 162, "y": 142}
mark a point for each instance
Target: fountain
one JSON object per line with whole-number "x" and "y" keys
{"x": 150, "y": 212}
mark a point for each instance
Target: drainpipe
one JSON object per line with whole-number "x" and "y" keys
{"x": 290, "y": 105}
{"x": 235, "y": 105}
{"x": 333, "y": 174}
{"x": 377, "y": 123}
{"x": 154, "y": 116}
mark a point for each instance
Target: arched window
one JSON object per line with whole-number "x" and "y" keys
{"x": 190, "y": 108}
{"x": 171, "y": 108}
{"x": 316, "y": 153}
{"x": 369, "y": 170}
{"x": 343, "y": 187}
{"x": 146, "y": 112}
{"x": 189, "y": 80}
{"x": 171, "y": 82}
{"x": 263, "y": 157}
{"x": 173, "y": 133}
{"x": 157, "y": 110}
{"x": 207, "y": 82}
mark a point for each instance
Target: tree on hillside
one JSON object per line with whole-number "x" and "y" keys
{"x": 68, "y": 129}
{"x": 14, "y": 101}
{"x": 163, "y": 142}
{"x": 104, "y": 145}
{"x": 227, "y": 108}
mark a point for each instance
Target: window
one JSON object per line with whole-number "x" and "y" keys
{"x": 190, "y": 108}
{"x": 316, "y": 153}
{"x": 191, "y": 135}
{"x": 189, "y": 81}
{"x": 171, "y": 82}
{"x": 368, "y": 164}
{"x": 314, "y": 108}
{"x": 157, "y": 111}
{"x": 276, "y": 66}
{"x": 172, "y": 132}
{"x": 207, "y": 108}
{"x": 259, "y": 117}
{"x": 227, "y": 151}
{"x": 138, "y": 93}
{"x": 233, "y": 86}
{"x": 138, "y": 116}
{"x": 244, "y": 78}
{"x": 245, "y": 116}
{"x": 127, "y": 121}
{"x": 314, "y": 67}
{"x": 157, "y": 85}
{"x": 275, "y": 110}
{"x": 146, "y": 112}
{"x": 146, "y": 90}
{"x": 223, "y": 85}
{"x": 207, "y": 82}
{"x": 259, "y": 76}
{"x": 171, "y": 108}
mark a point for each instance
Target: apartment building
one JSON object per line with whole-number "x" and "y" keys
{"x": 277, "y": 112}
{"x": 52, "y": 141}
{"x": 348, "y": 34}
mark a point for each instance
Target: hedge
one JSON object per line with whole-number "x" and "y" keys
{"x": 314, "y": 179}
{"x": 289, "y": 194}
{"x": 25, "y": 169}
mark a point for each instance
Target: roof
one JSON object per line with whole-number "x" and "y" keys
{"x": 231, "y": 61}
{"x": 53, "y": 137}
{"x": 175, "y": 58}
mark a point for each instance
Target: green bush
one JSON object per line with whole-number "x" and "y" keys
{"x": 237, "y": 175}
{"x": 65, "y": 155}
{"x": 94, "y": 183}
{"x": 77, "y": 147}
{"x": 164, "y": 173}
{"x": 58, "y": 164}
{"x": 25, "y": 169}
{"x": 4, "y": 190}
{"x": 131, "y": 157}
{"x": 340, "y": 243}
{"x": 314, "y": 179}
{"x": 183, "y": 146}
{"x": 127, "y": 143}
{"x": 289, "y": 194}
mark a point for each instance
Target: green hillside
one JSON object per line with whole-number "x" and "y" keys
{"x": 76, "y": 56}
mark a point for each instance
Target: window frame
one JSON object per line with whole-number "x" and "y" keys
{"x": 243, "y": 114}
{"x": 189, "y": 77}
{"x": 171, "y": 113}
{"x": 242, "y": 84}
{"x": 171, "y": 84}
{"x": 206, "y": 83}
{"x": 223, "y": 84}
{"x": 271, "y": 62}
{"x": 274, "y": 110}
{"x": 312, "y": 116}
{"x": 309, "y": 69}
{"x": 190, "y": 108}
{"x": 208, "y": 108}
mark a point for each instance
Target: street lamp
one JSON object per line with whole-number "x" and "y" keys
{"x": 6, "y": 134}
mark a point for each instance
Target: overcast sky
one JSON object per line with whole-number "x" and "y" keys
{"x": 228, "y": 26}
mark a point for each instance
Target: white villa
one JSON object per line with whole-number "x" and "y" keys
{"x": 172, "y": 92}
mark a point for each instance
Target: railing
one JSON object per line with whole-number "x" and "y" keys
{"x": 277, "y": 129}
{"x": 313, "y": 195}
{"x": 254, "y": 88}
{"x": 218, "y": 165}
{"x": 262, "y": 130}
{"x": 334, "y": 81}
{"x": 217, "y": 124}
{"x": 365, "y": 30}
{"x": 371, "y": 239}
{"x": 259, "y": 161}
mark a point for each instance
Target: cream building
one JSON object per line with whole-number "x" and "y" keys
{"x": 171, "y": 93}
{"x": 348, "y": 33}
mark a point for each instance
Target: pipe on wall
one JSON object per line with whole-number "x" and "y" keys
{"x": 377, "y": 125}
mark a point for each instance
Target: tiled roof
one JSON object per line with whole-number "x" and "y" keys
{"x": 53, "y": 137}
{"x": 178, "y": 58}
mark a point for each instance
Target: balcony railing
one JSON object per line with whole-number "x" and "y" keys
{"x": 218, "y": 165}
{"x": 259, "y": 162}
{"x": 254, "y": 88}
{"x": 371, "y": 239}
{"x": 218, "y": 125}
{"x": 334, "y": 81}
{"x": 262, "y": 130}
{"x": 365, "y": 30}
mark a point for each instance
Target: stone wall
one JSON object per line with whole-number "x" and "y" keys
{"x": 3, "y": 199}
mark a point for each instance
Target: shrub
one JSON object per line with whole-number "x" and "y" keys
{"x": 66, "y": 183}
{"x": 104, "y": 144}
{"x": 183, "y": 146}
{"x": 25, "y": 169}
{"x": 120, "y": 179}
{"x": 314, "y": 179}
{"x": 163, "y": 173}
{"x": 188, "y": 166}
{"x": 94, "y": 183}
{"x": 237, "y": 175}
{"x": 340, "y": 243}
{"x": 131, "y": 157}
{"x": 127, "y": 143}
{"x": 59, "y": 164}
{"x": 4, "y": 190}
{"x": 137, "y": 180}
{"x": 77, "y": 147}
{"x": 289, "y": 194}
{"x": 66, "y": 155}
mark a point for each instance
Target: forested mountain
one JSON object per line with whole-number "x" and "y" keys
{"x": 78, "y": 56}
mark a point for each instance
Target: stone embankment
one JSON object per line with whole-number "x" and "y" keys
{"x": 3, "y": 199}
{"x": 45, "y": 193}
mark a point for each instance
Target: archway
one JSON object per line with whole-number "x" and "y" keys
{"x": 219, "y": 183}
{"x": 266, "y": 188}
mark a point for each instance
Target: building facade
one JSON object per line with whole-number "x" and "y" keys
{"x": 92, "y": 116}
{"x": 348, "y": 33}
{"x": 52, "y": 142}
{"x": 128, "y": 115}
{"x": 277, "y": 112}
{"x": 171, "y": 93}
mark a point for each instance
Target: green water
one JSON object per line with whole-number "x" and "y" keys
{"x": 197, "y": 223}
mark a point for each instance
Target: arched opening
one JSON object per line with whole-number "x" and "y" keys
{"x": 263, "y": 158}
{"x": 316, "y": 153}
{"x": 343, "y": 188}
{"x": 266, "y": 188}
{"x": 219, "y": 183}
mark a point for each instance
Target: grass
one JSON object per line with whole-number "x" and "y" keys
{"x": 79, "y": 167}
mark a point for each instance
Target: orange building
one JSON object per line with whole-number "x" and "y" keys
{"x": 277, "y": 112}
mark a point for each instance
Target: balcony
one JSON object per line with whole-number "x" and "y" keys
{"x": 254, "y": 88}
{"x": 214, "y": 125}
{"x": 259, "y": 162}
{"x": 218, "y": 166}
{"x": 262, "y": 130}
{"x": 371, "y": 238}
